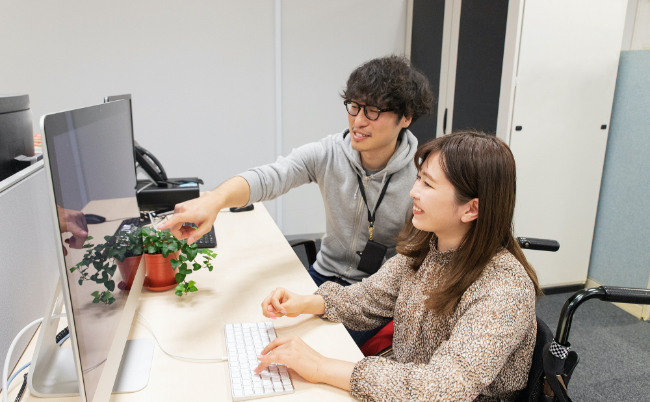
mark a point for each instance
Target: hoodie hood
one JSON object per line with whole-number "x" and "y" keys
{"x": 403, "y": 155}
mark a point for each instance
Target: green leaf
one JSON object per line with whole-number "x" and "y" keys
{"x": 95, "y": 293}
{"x": 89, "y": 238}
{"x": 110, "y": 285}
{"x": 111, "y": 301}
{"x": 151, "y": 249}
{"x": 108, "y": 238}
{"x": 111, "y": 269}
{"x": 193, "y": 289}
{"x": 180, "y": 277}
{"x": 81, "y": 281}
{"x": 96, "y": 300}
{"x": 180, "y": 287}
{"x": 73, "y": 269}
{"x": 196, "y": 266}
{"x": 191, "y": 254}
{"x": 191, "y": 283}
{"x": 179, "y": 293}
{"x": 210, "y": 268}
{"x": 175, "y": 263}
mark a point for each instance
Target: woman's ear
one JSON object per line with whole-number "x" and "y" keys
{"x": 471, "y": 211}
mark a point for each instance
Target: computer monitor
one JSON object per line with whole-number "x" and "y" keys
{"x": 16, "y": 134}
{"x": 89, "y": 164}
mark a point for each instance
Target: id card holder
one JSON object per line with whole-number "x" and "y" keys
{"x": 372, "y": 257}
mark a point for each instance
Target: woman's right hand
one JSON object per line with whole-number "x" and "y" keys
{"x": 281, "y": 302}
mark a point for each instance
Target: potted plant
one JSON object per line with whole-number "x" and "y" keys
{"x": 165, "y": 257}
{"x": 168, "y": 257}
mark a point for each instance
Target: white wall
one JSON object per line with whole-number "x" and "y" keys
{"x": 202, "y": 74}
{"x": 637, "y": 25}
{"x": 322, "y": 42}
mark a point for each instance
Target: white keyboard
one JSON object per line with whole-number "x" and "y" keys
{"x": 245, "y": 342}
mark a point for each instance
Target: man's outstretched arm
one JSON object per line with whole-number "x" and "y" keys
{"x": 203, "y": 211}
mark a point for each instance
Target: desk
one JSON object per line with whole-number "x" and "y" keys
{"x": 253, "y": 259}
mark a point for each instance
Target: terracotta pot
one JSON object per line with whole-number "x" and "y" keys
{"x": 160, "y": 275}
{"x": 128, "y": 268}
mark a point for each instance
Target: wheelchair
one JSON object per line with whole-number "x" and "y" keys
{"x": 553, "y": 363}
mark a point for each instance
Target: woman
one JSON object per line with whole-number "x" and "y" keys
{"x": 460, "y": 290}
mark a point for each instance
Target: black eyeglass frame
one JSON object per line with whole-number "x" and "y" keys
{"x": 365, "y": 110}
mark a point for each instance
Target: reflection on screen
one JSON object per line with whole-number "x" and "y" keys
{"x": 91, "y": 159}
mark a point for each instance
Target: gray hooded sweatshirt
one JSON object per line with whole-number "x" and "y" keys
{"x": 334, "y": 165}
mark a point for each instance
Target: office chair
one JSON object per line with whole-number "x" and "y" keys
{"x": 310, "y": 249}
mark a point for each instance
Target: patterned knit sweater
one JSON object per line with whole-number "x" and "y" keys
{"x": 482, "y": 351}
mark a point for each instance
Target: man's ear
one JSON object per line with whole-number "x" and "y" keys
{"x": 471, "y": 211}
{"x": 406, "y": 121}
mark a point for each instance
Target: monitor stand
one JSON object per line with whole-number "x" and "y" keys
{"x": 53, "y": 373}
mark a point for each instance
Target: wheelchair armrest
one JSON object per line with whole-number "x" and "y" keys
{"x": 531, "y": 243}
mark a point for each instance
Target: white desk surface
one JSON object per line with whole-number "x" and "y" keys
{"x": 253, "y": 259}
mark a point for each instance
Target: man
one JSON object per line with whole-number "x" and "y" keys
{"x": 373, "y": 156}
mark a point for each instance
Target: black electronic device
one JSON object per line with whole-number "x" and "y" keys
{"x": 243, "y": 209}
{"x": 16, "y": 134}
{"x": 151, "y": 165}
{"x": 155, "y": 198}
{"x": 160, "y": 192}
{"x": 146, "y": 160}
{"x": 93, "y": 219}
{"x": 208, "y": 240}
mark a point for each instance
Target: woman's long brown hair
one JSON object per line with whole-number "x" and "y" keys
{"x": 479, "y": 166}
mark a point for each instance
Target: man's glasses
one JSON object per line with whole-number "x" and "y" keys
{"x": 371, "y": 112}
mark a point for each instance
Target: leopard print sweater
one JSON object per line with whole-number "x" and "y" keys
{"x": 481, "y": 352}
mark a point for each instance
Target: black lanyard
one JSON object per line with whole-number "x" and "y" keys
{"x": 371, "y": 216}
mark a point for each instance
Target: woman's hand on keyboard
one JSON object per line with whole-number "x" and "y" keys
{"x": 293, "y": 352}
{"x": 281, "y": 303}
{"x": 309, "y": 364}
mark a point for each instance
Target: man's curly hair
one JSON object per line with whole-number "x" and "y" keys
{"x": 391, "y": 83}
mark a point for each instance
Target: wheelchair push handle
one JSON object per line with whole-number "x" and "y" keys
{"x": 605, "y": 293}
{"x": 618, "y": 294}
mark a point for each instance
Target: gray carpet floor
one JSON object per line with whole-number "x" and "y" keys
{"x": 613, "y": 346}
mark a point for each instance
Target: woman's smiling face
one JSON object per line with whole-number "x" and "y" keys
{"x": 435, "y": 206}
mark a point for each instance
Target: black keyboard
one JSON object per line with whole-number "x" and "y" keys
{"x": 128, "y": 225}
{"x": 208, "y": 240}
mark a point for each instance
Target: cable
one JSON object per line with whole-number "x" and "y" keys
{"x": 94, "y": 367}
{"x": 5, "y": 370}
{"x": 63, "y": 339}
{"x": 65, "y": 331}
{"x": 22, "y": 389}
{"x": 222, "y": 359}
{"x": 17, "y": 372}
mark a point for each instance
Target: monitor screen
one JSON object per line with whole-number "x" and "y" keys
{"x": 90, "y": 152}
{"x": 16, "y": 133}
